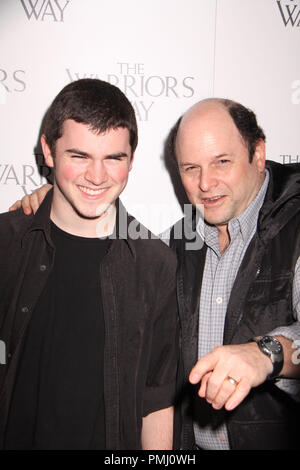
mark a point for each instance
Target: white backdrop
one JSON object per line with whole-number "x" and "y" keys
{"x": 165, "y": 55}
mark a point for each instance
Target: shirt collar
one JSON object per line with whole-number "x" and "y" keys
{"x": 41, "y": 221}
{"x": 248, "y": 219}
{"x": 123, "y": 220}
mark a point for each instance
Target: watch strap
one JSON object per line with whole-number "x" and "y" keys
{"x": 277, "y": 359}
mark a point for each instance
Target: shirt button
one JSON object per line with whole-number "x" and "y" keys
{"x": 24, "y": 309}
{"x": 43, "y": 267}
{"x": 219, "y": 300}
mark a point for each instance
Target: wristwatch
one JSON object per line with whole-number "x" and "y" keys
{"x": 272, "y": 348}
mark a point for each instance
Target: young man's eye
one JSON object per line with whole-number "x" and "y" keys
{"x": 116, "y": 159}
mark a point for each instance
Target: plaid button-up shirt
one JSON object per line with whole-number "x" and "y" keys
{"x": 218, "y": 278}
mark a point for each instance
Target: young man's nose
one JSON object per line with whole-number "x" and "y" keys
{"x": 96, "y": 173}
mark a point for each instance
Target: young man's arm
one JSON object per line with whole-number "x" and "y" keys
{"x": 157, "y": 430}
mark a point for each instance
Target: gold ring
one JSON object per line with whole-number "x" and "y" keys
{"x": 232, "y": 380}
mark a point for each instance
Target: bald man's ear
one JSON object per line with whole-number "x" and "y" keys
{"x": 259, "y": 157}
{"x": 47, "y": 152}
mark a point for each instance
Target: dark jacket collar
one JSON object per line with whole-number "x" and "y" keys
{"x": 123, "y": 219}
{"x": 41, "y": 221}
{"x": 282, "y": 201}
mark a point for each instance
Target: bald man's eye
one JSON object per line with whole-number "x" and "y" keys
{"x": 223, "y": 162}
{"x": 190, "y": 168}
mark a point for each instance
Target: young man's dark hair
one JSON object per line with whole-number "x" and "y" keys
{"x": 88, "y": 313}
{"x": 94, "y": 102}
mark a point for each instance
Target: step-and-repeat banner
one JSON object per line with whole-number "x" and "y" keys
{"x": 165, "y": 56}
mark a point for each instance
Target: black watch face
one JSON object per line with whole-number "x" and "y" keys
{"x": 272, "y": 344}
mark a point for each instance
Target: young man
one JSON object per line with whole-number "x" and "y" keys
{"x": 88, "y": 314}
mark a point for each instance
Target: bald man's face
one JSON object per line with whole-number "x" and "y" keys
{"x": 214, "y": 165}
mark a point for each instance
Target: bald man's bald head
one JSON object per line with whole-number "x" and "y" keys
{"x": 244, "y": 119}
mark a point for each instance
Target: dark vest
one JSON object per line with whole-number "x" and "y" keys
{"x": 260, "y": 301}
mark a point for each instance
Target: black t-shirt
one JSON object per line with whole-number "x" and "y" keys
{"x": 58, "y": 399}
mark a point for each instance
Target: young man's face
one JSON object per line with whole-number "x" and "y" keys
{"x": 91, "y": 170}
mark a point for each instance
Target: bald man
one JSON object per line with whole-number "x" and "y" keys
{"x": 239, "y": 295}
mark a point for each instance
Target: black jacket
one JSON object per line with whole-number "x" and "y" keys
{"x": 261, "y": 300}
{"x": 140, "y": 316}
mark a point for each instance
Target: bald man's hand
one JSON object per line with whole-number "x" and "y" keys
{"x": 31, "y": 202}
{"x": 228, "y": 373}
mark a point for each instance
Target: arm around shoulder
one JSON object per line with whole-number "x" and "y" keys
{"x": 31, "y": 202}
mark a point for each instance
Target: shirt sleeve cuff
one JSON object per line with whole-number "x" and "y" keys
{"x": 291, "y": 332}
{"x": 158, "y": 398}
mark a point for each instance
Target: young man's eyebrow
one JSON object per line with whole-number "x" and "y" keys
{"x": 117, "y": 155}
{"x": 86, "y": 154}
{"x": 78, "y": 152}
